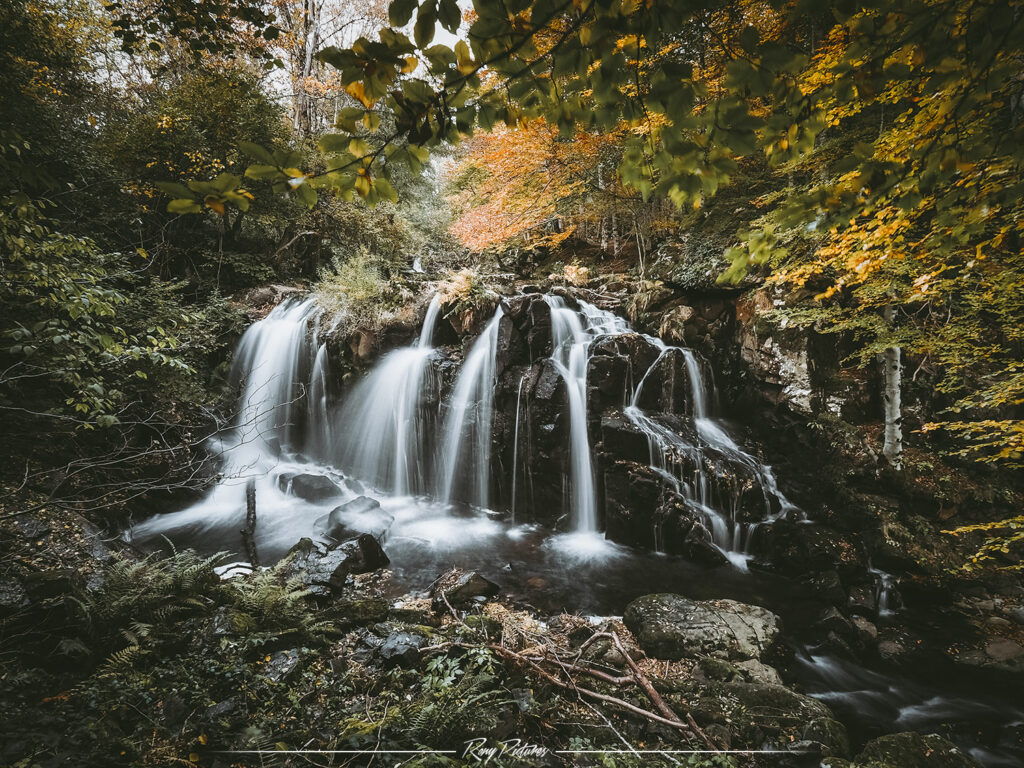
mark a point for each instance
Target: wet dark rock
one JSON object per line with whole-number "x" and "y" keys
{"x": 463, "y": 589}
{"x": 365, "y": 611}
{"x": 12, "y": 596}
{"x": 699, "y": 547}
{"x": 314, "y": 488}
{"x": 863, "y": 599}
{"x": 829, "y": 733}
{"x": 282, "y": 666}
{"x": 223, "y": 622}
{"x": 826, "y": 586}
{"x": 548, "y": 382}
{"x": 363, "y": 554}
{"x": 670, "y": 626}
{"x": 221, "y": 709}
{"x": 401, "y": 649}
{"x": 323, "y": 571}
{"x": 623, "y": 439}
{"x": 912, "y": 750}
{"x": 759, "y": 672}
{"x": 59, "y": 582}
{"x": 361, "y": 511}
{"x": 794, "y": 547}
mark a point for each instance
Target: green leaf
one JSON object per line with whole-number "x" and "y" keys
{"x": 400, "y": 12}
{"x": 256, "y": 151}
{"x": 450, "y": 15}
{"x": 173, "y": 189}
{"x": 183, "y": 206}
{"x": 385, "y": 190}
{"x": 263, "y": 172}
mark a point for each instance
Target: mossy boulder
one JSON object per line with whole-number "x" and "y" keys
{"x": 670, "y": 626}
{"x": 912, "y": 750}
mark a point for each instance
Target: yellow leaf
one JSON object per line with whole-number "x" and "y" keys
{"x": 411, "y": 62}
{"x": 356, "y": 91}
{"x": 203, "y": 739}
{"x": 215, "y": 204}
{"x": 295, "y": 173}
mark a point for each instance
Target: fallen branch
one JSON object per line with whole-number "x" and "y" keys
{"x": 250, "y": 524}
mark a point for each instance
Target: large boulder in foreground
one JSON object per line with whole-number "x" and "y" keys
{"x": 670, "y": 626}
{"x": 911, "y": 750}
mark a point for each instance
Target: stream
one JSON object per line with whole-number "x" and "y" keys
{"x": 425, "y": 452}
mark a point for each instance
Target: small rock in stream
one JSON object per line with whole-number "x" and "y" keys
{"x": 462, "y": 589}
{"x": 314, "y": 488}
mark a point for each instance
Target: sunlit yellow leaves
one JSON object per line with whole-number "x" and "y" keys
{"x": 357, "y": 91}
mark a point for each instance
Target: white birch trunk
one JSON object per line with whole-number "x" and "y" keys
{"x": 892, "y": 376}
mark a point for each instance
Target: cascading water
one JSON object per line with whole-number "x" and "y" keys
{"x": 385, "y": 428}
{"x": 274, "y": 406}
{"x": 572, "y": 333}
{"x": 270, "y": 357}
{"x": 464, "y": 462}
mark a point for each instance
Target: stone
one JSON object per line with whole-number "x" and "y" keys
{"x": 464, "y": 589}
{"x": 314, "y": 488}
{"x": 829, "y": 733}
{"x": 282, "y": 665}
{"x": 363, "y": 611}
{"x": 323, "y": 571}
{"x": 220, "y": 709}
{"x": 912, "y": 750}
{"x": 401, "y": 649}
{"x": 363, "y": 555}
{"x": 1004, "y": 649}
{"x": 718, "y": 670}
{"x": 1016, "y": 614}
{"x": 223, "y": 623}
{"x": 355, "y": 516}
{"x": 58, "y": 582}
{"x": 866, "y": 631}
{"x": 831, "y": 620}
{"x": 670, "y": 626}
{"x": 12, "y": 596}
{"x": 758, "y": 672}
{"x": 890, "y": 649}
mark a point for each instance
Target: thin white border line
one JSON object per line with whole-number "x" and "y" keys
{"x": 333, "y": 752}
{"x": 554, "y": 751}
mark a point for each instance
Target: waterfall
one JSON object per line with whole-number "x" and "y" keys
{"x": 515, "y": 443}
{"x": 429, "y": 322}
{"x": 268, "y": 362}
{"x": 319, "y": 431}
{"x": 466, "y": 442}
{"x": 386, "y": 430}
{"x": 275, "y": 405}
{"x": 673, "y": 458}
{"x": 570, "y": 346}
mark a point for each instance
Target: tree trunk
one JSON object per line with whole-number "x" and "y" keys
{"x": 892, "y": 375}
